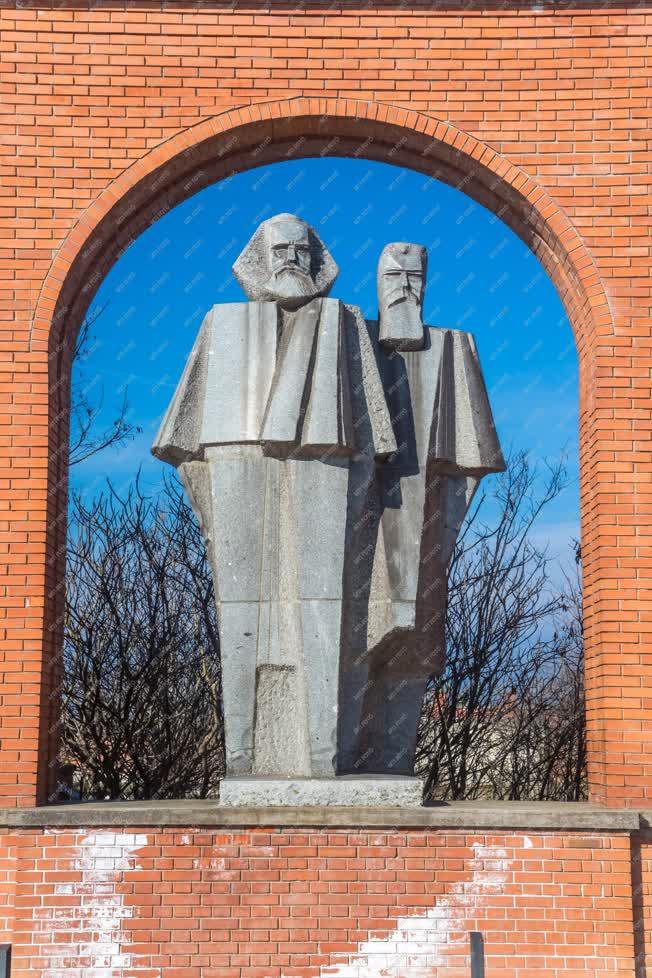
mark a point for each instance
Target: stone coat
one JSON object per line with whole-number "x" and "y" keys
{"x": 306, "y": 385}
{"x": 330, "y": 478}
{"x": 411, "y": 511}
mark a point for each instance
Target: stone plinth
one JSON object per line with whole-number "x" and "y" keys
{"x": 382, "y": 791}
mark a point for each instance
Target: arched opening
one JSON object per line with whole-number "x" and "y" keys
{"x": 416, "y": 144}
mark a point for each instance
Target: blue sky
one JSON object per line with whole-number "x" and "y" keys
{"x": 481, "y": 278}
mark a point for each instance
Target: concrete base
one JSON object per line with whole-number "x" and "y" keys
{"x": 350, "y": 790}
{"x": 472, "y": 816}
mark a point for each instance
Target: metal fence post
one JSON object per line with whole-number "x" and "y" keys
{"x": 5, "y": 960}
{"x": 477, "y": 955}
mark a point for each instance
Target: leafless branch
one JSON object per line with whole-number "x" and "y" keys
{"x": 506, "y": 718}
{"x": 87, "y": 403}
{"x": 142, "y": 711}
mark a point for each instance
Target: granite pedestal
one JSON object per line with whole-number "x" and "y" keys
{"x": 385, "y": 791}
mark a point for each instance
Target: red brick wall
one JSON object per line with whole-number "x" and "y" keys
{"x": 198, "y": 903}
{"x": 113, "y": 111}
{"x": 642, "y": 899}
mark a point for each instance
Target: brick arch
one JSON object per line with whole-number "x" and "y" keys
{"x": 253, "y": 136}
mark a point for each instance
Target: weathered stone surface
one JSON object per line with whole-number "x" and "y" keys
{"x": 279, "y": 740}
{"x": 401, "y": 282}
{"x": 236, "y": 341}
{"x": 474, "y": 815}
{"x": 352, "y": 791}
{"x": 330, "y": 462}
{"x": 285, "y": 262}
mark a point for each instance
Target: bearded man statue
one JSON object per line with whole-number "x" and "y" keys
{"x": 308, "y": 447}
{"x": 446, "y": 442}
{"x": 280, "y": 398}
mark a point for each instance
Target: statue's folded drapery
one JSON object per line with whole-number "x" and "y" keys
{"x": 446, "y": 441}
{"x": 266, "y": 426}
{"x": 330, "y": 463}
{"x": 394, "y": 628}
{"x": 330, "y": 479}
{"x": 312, "y": 388}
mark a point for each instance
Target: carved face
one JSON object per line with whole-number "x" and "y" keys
{"x": 285, "y": 262}
{"x": 401, "y": 276}
{"x": 289, "y": 260}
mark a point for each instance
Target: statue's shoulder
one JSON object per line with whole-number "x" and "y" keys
{"x": 223, "y": 310}
{"x": 237, "y": 319}
{"x": 442, "y": 330}
{"x": 459, "y": 337}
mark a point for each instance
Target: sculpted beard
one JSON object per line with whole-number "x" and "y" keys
{"x": 403, "y": 307}
{"x": 400, "y": 295}
{"x": 291, "y": 280}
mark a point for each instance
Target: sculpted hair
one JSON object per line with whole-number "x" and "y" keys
{"x": 252, "y": 267}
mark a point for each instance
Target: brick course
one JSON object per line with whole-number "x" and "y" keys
{"x": 112, "y": 112}
{"x": 275, "y": 903}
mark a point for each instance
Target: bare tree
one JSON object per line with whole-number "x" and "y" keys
{"x": 85, "y": 409}
{"x": 142, "y": 708}
{"x": 506, "y": 717}
{"x": 142, "y": 711}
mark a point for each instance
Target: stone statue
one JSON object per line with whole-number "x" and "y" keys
{"x": 329, "y": 461}
{"x": 446, "y": 442}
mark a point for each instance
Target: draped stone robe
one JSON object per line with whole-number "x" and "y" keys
{"x": 330, "y": 479}
{"x": 393, "y": 637}
{"x": 272, "y": 414}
